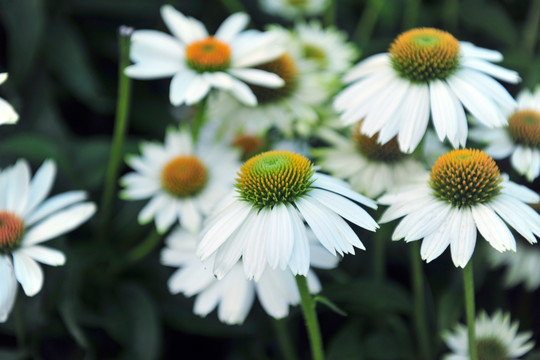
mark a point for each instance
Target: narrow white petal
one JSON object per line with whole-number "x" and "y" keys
{"x": 167, "y": 215}
{"x": 45, "y": 255}
{"x": 237, "y": 301}
{"x": 232, "y": 26}
{"x": 8, "y": 287}
{"x": 521, "y": 159}
{"x": 184, "y": 28}
{"x": 520, "y": 192}
{"x": 504, "y": 207}
{"x": 180, "y": 84}
{"x": 18, "y": 185}
{"x": 40, "y": 186}
{"x": 497, "y": 71}
{"x": 208, "y": 299}
{"x": 415, "y": 119}
{"x": 300, "y": 257}
{"x": 493, "y": 229}
{"x": 152, "y": 47}
{"x": 280, "y": 240}
{"x": 54, "y": 204}
{"x": 274, "y": 292}
{"x": 8, "y": 115}
{"x": 196, "y": 91}
{"x": 470, "y": 50}
{"x": 258, "y": 77}
{"x": 340, "y": 187}
{"x": 254, "y": 253}
{"x": 190, "y": 217}
{"x": 28, "y": 273}
{"x": 434, "y": 245}
{"x": 162, "y": 69}
{"x": 367, "y": 67}
{"x": 243, "y": 93}
{"x": 151, "y": 208}
{"x": 462, "y": 246}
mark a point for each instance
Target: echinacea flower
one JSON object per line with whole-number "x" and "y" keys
{"x": 262, "y": 221}
{"x": 426, "y": 71}
{"x": 26, "y": 221}
{"x": 497, "y": 338}
{"x": 8, "y": 115}
{"x": 183, "y": 180}
{"x": 234, "y": 294}
{"x": 523, "y": 266}
{"x": 520, "y": 139}
{"x": 369, "y": 167}
{"x": 465, "y": 192}
{"x": 293, "y": 9}
{"x": 199, "y": 62}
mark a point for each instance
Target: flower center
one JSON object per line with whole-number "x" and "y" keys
{"x": 274, "y": 177}
{"x": 184, "y": 176}
{"x": 524, "y": 128}
{"x": 370, "y": 148}
{"x": 11, "y": 231}
{"x": 424, "y": 54}
{"x": 285, "y": 68}
{"x": 208, "y": 54}
{"x": 248, "y": 144}
{"x": 465, "y": 177}
{"x": 314, "y": 52}
{"x": 491, "y": 349}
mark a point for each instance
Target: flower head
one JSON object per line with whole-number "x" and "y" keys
{"x": 199, "y": 62}
{"x": 8, "y": 115}
{"x": 523, "y": 266}
{"x": 292, "y": 9}
{"x": 426, "y": 71}
{"x": 464, "y": 193}
{"x": 26, "y": 221}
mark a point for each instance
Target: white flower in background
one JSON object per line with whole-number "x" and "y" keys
{"x": 520, "y": 139}
{"x": 26, "y": 221}
{"x": 286, "y": 108}
{"x": 523, "y": 266}
{"x": 463, "y": 193}
{"x": 234, "y": 294}
{"x": 262, "y": 221}
{"x": 184, "y": 181}
{"x": 8, "y": 115}
{"x": 369, "y": 167}
{"x": 426, "y": 71}
{"x": 199, "y": 62}
{"x": 496, "y": 339}
{"x": 294, "y": 9}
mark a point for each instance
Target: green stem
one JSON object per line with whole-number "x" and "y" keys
{"x": 329, "y": 16}
{"x": 379, "y": 257}
{"x": 530, "y": 31}
{"x": 420, "y": 322}
{"x": 367, "y": 21}
{"x": 144, "y": 248}
{"x": 310, "y": 316}
{"x": 120, "y": 127}
{"x": 199, "y": 119}
{"x": 468, "y": 282}
{"x": 410, "y": 14}
{"x": 284, "y": 339}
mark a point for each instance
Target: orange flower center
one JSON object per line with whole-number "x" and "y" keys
{"x": 184, "y": 176}
{"x": 524, "y": 128}
{"x": 370, "y": 148}
{"x": 208, "y": 54}
{"x": 11, "y": 231}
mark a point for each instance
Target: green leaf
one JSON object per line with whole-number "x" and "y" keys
{"x": 68, "y": 314}
{"x": 330, "y": 304}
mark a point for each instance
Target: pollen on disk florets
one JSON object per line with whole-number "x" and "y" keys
{"x": 274, "y": 177}
{"x": 465, "y": 177}
{"x": 285, "y": 68}
{"x": 424, "y": 54}
{"x": 209, "y": 54}
{"x": 370, "y": 148}
{"x": 524, "y": 128}
{"x": 184, "y": 176}
{"x": 491, "y": 349}
{"x": 11, "y": 231}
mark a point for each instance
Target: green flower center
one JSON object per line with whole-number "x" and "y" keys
{"x": 524, "y": 128}
{"x": 491, "y": 349}
{"x": 274, "y": 177}
{"x": 283, "y": 67}
{"x": 208, "y": 55}
{"x": 424, "y": 54}
{"x": 184, "y": 176}
{"x": 315, "y": 53}
{"x": 465, "y": 177}
{"x": 11, "y": 232}
{"x": 370, "y": 148}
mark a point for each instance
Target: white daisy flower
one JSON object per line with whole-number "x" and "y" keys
{"x": 262, "y": 221}
{"x": 369, "y": 167}
{"x": 8, "y": 115}
{"x": 464, "y": 192}
{"x": 496, "y": 339}
{"x": 184, "y": 181}
{"x": 234, "y": 294}
{"x": 426, "y": 71}
{"x": 520, "y": 139}
{"x": 199, "y": 62}
{"x": 521, "y": 267}
{"x": 26, "y": 221}
{"x": 286, "y": 108}
{"x": 293, "y": 9}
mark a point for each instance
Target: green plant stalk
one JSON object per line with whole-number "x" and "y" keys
{"x": 120, "y": 127}
{"x": 530, "y": 30}
{"x": 379, "y": 257}
{"x": 329, "y": 16}
{"x": 468, "y": 283}
{"x": 284, "y": 339}
{"x": 367, "y": 21}
{"x": 144, "y": 248}
{"x": 199, "y": 119}
{"x": 410, "y": 15}
{"x": 420, "y": 319}
{"x": 310, "y": 316}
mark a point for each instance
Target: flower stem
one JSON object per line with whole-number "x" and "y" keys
{"x": 367, "y": 22}
{"x": 144, "y": 248}
{"x": 420, "y": 322}
{"x": 379, "y": 257}
{"x": 329, "y": 16}
{"x": 199, "y": 119}
{"x": 310, "y": 316}
{"x": 120, "y": 127}
{"x": 530, "y": 31}
{"x": 284, "y": 339}
{"x": 468, "y": 283}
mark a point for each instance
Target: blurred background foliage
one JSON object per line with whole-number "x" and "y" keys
{"x": 62, "y": 59}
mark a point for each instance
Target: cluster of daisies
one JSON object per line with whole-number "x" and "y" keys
{"x": 244, "y": 206}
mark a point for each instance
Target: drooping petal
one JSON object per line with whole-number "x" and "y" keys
{"x": 28, "y": 273}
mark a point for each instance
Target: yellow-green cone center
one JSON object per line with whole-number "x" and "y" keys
{"x": 524, "y": 128}
{"x": 184, "y": 176}
{"x": 465, "y": 177}
{"x": 209, "y": 54}
{"x": 274, "y": 177}
{"x": 315, "y": 53}
{"x": 370, "y": 148}
{"x": 11, "y": 232}
{"x": 491, "y": 349}
{"x": 285, "y": 68}
{"x": 424, "y": 54}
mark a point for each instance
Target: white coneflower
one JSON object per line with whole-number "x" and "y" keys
{"x": 523, "y": 266}
{"x": 8, "y": 115}
{"x": 426, "y": 71}
{"x": 294, "y": 9}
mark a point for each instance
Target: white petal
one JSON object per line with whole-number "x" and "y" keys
{"x": 300, "y": 257}
{"x": 180, "y": 85}
{"x": 493, "y": 229}
{"x": 17, "y": 188}
{"x": 274, "y": 290}
{"x": 340, "y": 187}
{"x": 45, "y": 255}
{"x": 505, "y": 208}
{"x": 167, "y": 215}
{"x": 443, "y": 111}
{"x": 155, "y": 47}
{"x": 254, "y": 253}
{"x": 190, "y": 217}
{"x": 497, "y": 71}
{"x": 470, "y": 50}
{"x": 40, "y": 186}
{"x": 237, "y": 298}
{"x": 54, "y": 204}
{"x": 521, "y": 159}
{"x": 8, "y": 287}
{"x": 368, "y": 66}
{"x": 8, "y": 115}
{"x": 184, "y": 28}
{"x": 28, "y": 273}
{"x": 462, "y": 246}
{"x": 280, "y": 242}
{"x": 243, "y": 93}
{"x": 520, "y": 192}
{"x": 152, "y": 70}
{"x": 414, "y": 121}
{"x": 258, "y": 77}
{"x": 196, "y": 91}
{"x": 232, "y": 26}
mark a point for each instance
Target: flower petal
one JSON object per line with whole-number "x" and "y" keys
{"x": 28, "y": 273}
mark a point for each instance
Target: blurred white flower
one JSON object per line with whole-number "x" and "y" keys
{"x": 294, "y": 9}
{"x": 523, "y": 266}
{"x": 8, "y": 115}
{"x": 26, "y": 221}
{"x": 199, "y": 62}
